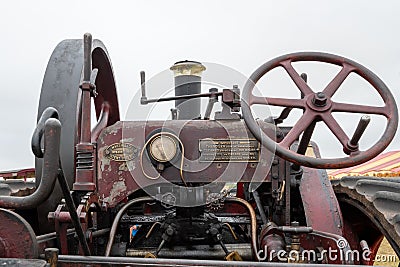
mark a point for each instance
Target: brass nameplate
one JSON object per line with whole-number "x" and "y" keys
{"x": 229, "y": 150}
{"x": 121, "y": 152}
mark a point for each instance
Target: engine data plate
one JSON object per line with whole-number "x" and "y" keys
{"x": 121, "y": 152}
{"x": 229, "y": 150}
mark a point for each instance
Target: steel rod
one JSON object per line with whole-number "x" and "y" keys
{"x": 260, "y": 207}
{"x": 196, "y": 252}
{"x": 86, "y": 99}
{"x": 51, "y": 236}
{"x": 87, "y": 56}
{"x": 148, "y": 262}
{"x": 154, "y": 100}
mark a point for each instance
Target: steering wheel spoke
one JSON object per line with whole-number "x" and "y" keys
{"x": 336, "y": 129}
{"x": 281, "y": 102}
{"x": 334, "y": 85}
{"x": 300, "y": 83}
{"x": 300, "y": 126}
{"x": 356, "y": 108}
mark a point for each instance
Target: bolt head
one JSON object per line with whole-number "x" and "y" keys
{"x": 319, "y": 99}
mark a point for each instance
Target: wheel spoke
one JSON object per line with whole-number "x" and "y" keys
{"x": 282, "y": 102}
{"x": 355, "y": 108}
{"x": 297, "y": 129}
{"x": 334, "y": 85}
{"x": 300, "y": 83}
{"x": 336, "y": 129}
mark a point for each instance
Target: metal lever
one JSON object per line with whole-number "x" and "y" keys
{"x": 213, "y": 99}
{"x": 143, "y": 99}
{"x": 174, "y": 113}
{"x": 352, "y": 145}
{"x": 87, "y": 56}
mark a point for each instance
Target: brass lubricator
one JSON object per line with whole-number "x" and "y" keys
{"x": 295, "y": 246}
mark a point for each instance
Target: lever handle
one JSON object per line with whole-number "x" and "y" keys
{"x": 362, "y": 125}
{"x": 87, "y": 56}
{"x": 143, "y": 99}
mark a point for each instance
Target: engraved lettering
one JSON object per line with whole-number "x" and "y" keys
{"x": 121, "y": 152}
{"x": 229, "y": 150}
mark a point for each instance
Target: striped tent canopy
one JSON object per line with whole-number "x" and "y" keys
{"x": 384, "y": 165}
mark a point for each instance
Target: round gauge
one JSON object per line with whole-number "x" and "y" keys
{"x": 163, "y": 148}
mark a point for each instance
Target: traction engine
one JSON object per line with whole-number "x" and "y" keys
{"x": 202, "y": 188}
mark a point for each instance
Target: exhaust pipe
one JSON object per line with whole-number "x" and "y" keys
{"x": 188, "y": 82}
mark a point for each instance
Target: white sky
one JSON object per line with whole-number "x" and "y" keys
{"x": 152, "y": 35}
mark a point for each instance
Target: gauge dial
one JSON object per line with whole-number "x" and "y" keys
{"x": 163, "y": 148}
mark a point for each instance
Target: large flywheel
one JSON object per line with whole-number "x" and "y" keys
{"x": 60, "y": 90}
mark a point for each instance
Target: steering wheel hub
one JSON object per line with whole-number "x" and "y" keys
{"x": 319, "y": 102}
{"x": 319, "y": 99}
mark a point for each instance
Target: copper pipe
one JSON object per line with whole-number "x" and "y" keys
{"x": 121, "y": 212}
{"x": 253, "y": 220}
{"x": 231, "y": 229}
{"x": 118, "y": 218}
{"x": 151, "y": 229}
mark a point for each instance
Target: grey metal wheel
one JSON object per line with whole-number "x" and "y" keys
{"x": 60, "y": 90}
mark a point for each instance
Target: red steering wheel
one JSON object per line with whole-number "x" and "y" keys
{"x": 318, "y": 106}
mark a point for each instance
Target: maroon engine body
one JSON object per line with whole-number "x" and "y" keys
{"x": 131, "y": 177}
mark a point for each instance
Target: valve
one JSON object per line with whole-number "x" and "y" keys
{"x": 214, "y": 232}
{"x": 170, "y": 231}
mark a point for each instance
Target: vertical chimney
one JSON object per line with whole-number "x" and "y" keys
{"x": 188, "y": 82}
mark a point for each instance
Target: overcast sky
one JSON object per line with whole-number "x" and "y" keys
{"x": 152, "y": 35}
